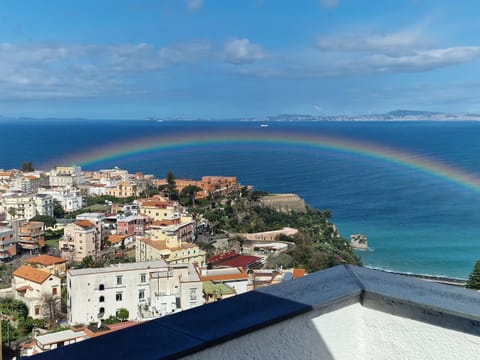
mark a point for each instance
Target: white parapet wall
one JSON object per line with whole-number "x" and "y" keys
{"x": 352, "y": 332}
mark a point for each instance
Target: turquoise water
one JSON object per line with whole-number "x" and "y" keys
{"x": 415, "y": 222}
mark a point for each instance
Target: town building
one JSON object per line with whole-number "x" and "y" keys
{"x": 43, "y": 204}
{"x": 147, "y": 290}
{"x": 124, "y": 189}
{"x": 8, "y": 246}
{"x": 70, "y": 198}
{"x": 80, "y": 239}
{"x": 133, "y": 224}
{"x": 31, "y": 236}
{"x": 37, "y": 289}
{"x": 48, "y": 263}
{"x": 19, "y": 206}
{"x": 66, "y": 176}
{"x": 121, "y": 241}
{"x": 222, "y": 283}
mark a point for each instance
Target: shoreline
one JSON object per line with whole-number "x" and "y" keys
{"x": 435, "y": 278}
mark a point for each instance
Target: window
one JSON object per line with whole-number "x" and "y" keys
{"x": 54, "y": 291}
{"x": 193, "y": 294}
{"x": 102, "y": 310}
{"x": 141, "y": 294}
{"x": 101, "y": 287}
{"x": 143, "y": 278}
{"x": 37, "y": 310}
{"x": 101, "y": 299}
{"x": 119, "y": 280}
{"x": 118, "y": 297}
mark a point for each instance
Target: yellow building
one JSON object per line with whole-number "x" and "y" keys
{"x": 51, "y": 264}
{"x": 149, "y": 250}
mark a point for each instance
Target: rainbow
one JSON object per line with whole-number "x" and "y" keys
{"x": 187, "y": 141}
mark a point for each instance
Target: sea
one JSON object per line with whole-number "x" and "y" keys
{"x": 417, "y": 220}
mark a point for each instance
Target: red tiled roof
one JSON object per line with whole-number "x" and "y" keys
{"x": 115, "y": 238}
{"x": 46, "y": 260}
{"x": 32, "y": 274}
{"x": 240, "y": 261}
{"x": 233, "y": 259}
{"x": 84, "y": 223}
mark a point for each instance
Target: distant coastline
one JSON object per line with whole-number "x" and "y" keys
{"x": 392, "y": 116}
{"x": 435, "y": 278}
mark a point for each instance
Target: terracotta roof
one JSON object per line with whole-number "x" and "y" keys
{"x": 238, "y": 276}
{"x": 155, "y": 203}
{"x": 24, "y": 288}
{"x": 84, "y": 223}
{"x": 298, "y": 273}
{"x": 46, "y": 260}
{"x": 115, "y": 238}
{"x": 157, "y": 244}
{"x": 30, "y": 177}
{"x": 32, "y": 274}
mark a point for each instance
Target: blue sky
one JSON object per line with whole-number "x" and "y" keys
{"x": 122, "y": 59}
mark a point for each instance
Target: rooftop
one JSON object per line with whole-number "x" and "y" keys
{"x": 119, "y": 267}
{"x": 32, "y": 274}
{"x": 344, "y": 312}
{"x": 46, "y": 260}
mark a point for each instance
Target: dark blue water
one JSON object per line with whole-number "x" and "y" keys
{"x": 414, "y": 221}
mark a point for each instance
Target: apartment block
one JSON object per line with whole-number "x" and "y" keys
{"x": 147, "y": 290}
{"x": 8, "y": 246}
{"x": 31, "y": 236}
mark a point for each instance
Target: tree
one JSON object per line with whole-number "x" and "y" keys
{"x": 12, "y": 212}
{"x": 187, "y": 195}
{"x": 171, "y": 186}
{"x": 48, "y": 221}
{"x": 51, "y": 308}
{"x": 474, "y": 278}
{"x": 27, "y": 167}
{"x": 123, "y": 314}
{"x": 58, "y": 211}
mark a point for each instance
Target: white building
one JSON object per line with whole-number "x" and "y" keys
{"x": 70, "y": 198}
{"x": 19, "y": 206}
{"x": 43, "y": 204}
{"x": 36, "y": 287}
{"x": 147, "y": 290}
{"x": 62, "y": 176}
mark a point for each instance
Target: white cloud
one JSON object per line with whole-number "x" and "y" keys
{"x": 51, "y": 71}
{"x": 329, "y": 4}
{"x": 241, "y": 51}
{"x": 416, "y": 61}
{"x": 402, "y": 41}
{"x": 194, "y": 5}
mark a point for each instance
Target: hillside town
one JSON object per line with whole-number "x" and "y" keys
{"x": 85, "y": 253}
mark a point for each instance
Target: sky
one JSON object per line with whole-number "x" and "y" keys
{"x": 132, "y": 59}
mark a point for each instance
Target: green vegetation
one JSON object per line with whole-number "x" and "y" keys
{"x": 48, "y": 221}
{"x": 317, "y": 245}
{"x": 123, "y": 314}
{"x": 27, "y": 166}
{"x": 58, "y": 211}
{"x": 474, "y": 278}
{"x": 170, "y": 188}
{"x": 19, "y": 324}
{"x": 187, "y": 195}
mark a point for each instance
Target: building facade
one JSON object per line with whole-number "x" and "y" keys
{"x": 147, "y": 290}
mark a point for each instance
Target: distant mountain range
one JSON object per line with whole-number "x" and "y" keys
{"x": 397, "y": 115}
